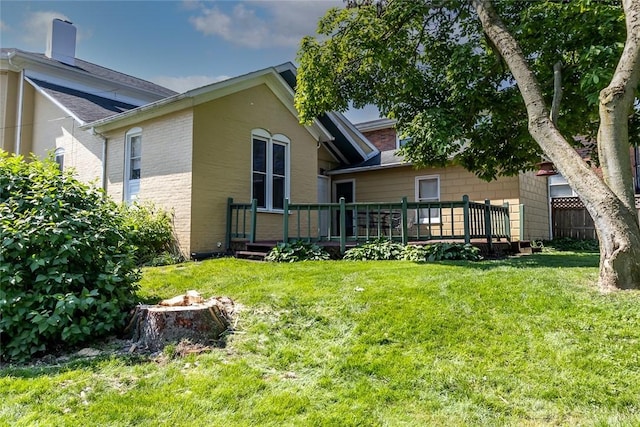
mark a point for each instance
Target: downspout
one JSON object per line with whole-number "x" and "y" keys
{"x": 104, "y": 158}
{"x": 19, "y": 116}
{"x": 104, "y": 164}
{"x": 20, "y": 104}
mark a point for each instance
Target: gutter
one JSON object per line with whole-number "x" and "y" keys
{"x": 368, "y": 168}
{"x": 30, "y": 57}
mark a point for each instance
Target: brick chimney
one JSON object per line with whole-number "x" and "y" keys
{"x": 61, "y": 43}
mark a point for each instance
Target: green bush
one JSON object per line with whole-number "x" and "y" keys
{"x": 380, "y": 249}
{"x": 152, "y": 234}
{"x": 296, "y": 251}
{"x": 67, "y": 265}
{"x": 441, "y": 251}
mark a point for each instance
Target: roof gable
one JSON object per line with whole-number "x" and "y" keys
{"x": 83, "y": 106}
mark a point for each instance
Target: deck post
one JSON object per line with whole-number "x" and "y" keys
{"x": 404, "y": 219}
{"x": 285, "y": 222}
{"x": 227, "y": 237}
{"x": 487, "y": 224}
{"x": 343, "y": 226}
{"x": 465, "y": 219}
{"x": 521, "y": 236}
{"x": 254, "y": 215}
{"x": 507, "y": 222}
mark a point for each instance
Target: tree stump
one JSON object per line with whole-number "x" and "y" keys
{"x": 202, "y": 322}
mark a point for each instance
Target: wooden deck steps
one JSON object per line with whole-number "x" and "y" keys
{"x": 255, "y": 251}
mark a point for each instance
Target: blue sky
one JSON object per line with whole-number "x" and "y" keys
{"x": 178, "y": 44}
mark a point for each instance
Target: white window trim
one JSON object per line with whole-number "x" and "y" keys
{"x": 398, "y": 139}
{"x": 563, "y": 184}
{"x": 280, "y": 139}
{"x": 59, "y": 157}
{"x": 334, "y": 189}
{"x": 127, "y": 196}
{"x": 434, "y": 220}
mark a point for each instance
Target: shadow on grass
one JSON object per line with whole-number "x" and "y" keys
{"x": 44, "y": 369}
{"x": 540, "y": 260}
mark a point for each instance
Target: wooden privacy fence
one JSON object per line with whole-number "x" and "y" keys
{"x": 360, "y": 222}
{"x": 569, "y": 218}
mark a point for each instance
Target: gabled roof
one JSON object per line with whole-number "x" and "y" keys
{"x": 348, "y": 144}
{"x": 18, "y": 57}
{"x": 83, "y": 106}
{"x": 86, "y": 91}
{"x": 268, "y": 76}
{"x": 101, "y": 98}
{"x": 382, "y": 160}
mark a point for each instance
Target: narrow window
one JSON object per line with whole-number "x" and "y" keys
{"x": 428, "y": 190}
{"x": 59, "y": 158}
{"x": 133, "y": 164}
{"x": 269, "y": 170}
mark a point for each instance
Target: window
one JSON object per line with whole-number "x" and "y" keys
{"x": 59, "y": 157}
{"x": 269, "y": 169}
{"x": 133, "y": 163}
{"x": 559, "y": 187}
{"x": 428, "y": 190}
{"x": 401, "y": 142}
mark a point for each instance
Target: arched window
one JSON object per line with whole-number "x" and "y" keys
{"x": 133, "y": 164}
{"x": 59, "y": 157}
{"x": 270, "y": 169}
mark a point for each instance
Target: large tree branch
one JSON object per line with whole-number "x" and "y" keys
{"x": 540, "y": 125}
{"x": 607, "y": 210}
{"x": 557, "y": 92}
{"x": 616, "y": 102}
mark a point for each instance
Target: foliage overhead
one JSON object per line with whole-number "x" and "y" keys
{"x": 67, "y": 265}
{"x": 428, "y": 64}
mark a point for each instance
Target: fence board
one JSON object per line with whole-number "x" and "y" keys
{"x": 569, "y": 218}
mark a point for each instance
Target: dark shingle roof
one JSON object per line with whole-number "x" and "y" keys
{"x": 85, "y": 106}
{"x": 101, "y": 72}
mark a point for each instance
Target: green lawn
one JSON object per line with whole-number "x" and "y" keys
{"x": 527, "y": 341}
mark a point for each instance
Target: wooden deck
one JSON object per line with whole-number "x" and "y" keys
{"x": 258, "y": 250}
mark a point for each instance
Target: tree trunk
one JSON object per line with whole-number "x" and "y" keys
{"x": 616, "y": 222}
{"x": 154, "y": 326}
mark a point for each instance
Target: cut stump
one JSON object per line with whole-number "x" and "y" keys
{"x": 155, "y": 326}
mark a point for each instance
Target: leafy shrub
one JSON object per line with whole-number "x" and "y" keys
{"x": 441, "y": 251}
{"x": 67, "y": 267}
{"x": 152, "y": 234}
{"x": 380, "y": 249}
{"x": 297, "y": 251}
{"x": 572, "y": 245}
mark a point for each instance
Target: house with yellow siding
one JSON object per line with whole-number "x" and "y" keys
{"x": 388, "y": 177}
{"x": 236, "y": 146}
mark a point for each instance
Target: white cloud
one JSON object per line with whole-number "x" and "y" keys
{"x": 37, "y": 25}
{"x": 3, "y": 26}
{"x": 260, "y": 24}
{"x": 183, "y": 84}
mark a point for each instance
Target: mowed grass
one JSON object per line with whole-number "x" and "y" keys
{"x": 527, "y": 341}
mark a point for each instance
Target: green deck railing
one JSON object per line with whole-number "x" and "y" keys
{"x": 360, "y": 222}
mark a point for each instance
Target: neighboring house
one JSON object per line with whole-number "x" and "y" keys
{"x": 190, "y": 152}
{"x": 387, "y": 177}
{"x": 569, "y": 217}
{"x": 46, "y": 98}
